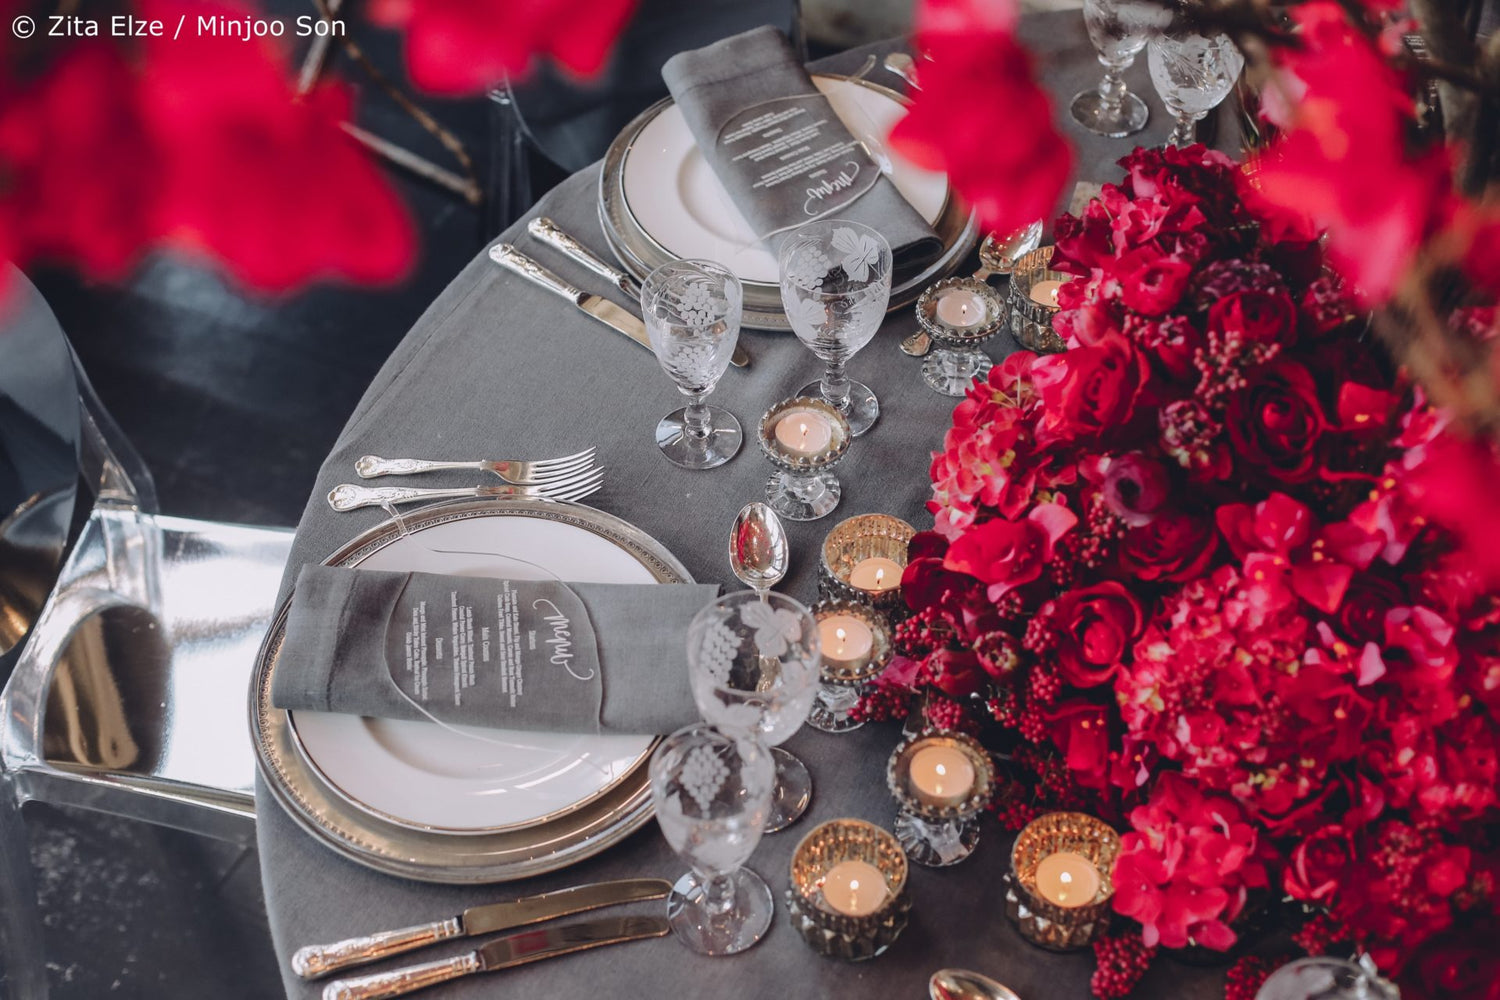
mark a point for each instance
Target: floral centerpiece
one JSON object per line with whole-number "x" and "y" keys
{"x": 1179, "y": 579}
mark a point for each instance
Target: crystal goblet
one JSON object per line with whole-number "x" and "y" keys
{"x": 692, "y": 311}
{"x": 712, "y": 792}
{"x": 1192, "y": 73}
{"x": 1118, "y": 30}
{"x": 835, "y": 287}
{"x": 753, "y": 665}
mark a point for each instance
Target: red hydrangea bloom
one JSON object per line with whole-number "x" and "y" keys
{"x": 459, "y": 47}
{"x": 974, "y": 51}
{"x": 1005, "y": 554}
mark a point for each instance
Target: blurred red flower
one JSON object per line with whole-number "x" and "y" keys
{"x": 973, "y": 51}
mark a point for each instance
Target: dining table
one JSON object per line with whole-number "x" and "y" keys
{"x": 497, "y": 367}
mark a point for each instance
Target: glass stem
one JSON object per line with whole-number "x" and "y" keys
{"x": 1112, "y": 88}
{"x": 718, "y": 894}
{"x": 1184, "y": 133}
{"x": 696, "y": 420}
{"x": 807, "y": 487}
{"x": 835, "y": 386}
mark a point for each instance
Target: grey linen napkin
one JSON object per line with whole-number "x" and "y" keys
{"x": 751, "y": 75}
{"x": 525, "y": 654}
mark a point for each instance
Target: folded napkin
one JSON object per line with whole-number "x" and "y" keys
{"x": 787, "y": 159}
{"x": 508, "y": 654}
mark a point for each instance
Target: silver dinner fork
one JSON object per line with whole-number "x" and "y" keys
{"x": 516, "y": 472}
{"x": 347, "y": 496}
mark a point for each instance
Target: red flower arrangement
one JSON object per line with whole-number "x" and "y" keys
{"x": 1179, "y": 574}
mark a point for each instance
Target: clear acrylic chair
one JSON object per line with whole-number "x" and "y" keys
{"x": 128, "y": 693}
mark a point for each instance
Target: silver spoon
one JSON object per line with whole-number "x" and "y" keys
{"x": 996, "y": 256}
{"x": 961, "y": 984}
{"x": 903, "y": 66}
{"x": 758, "y": 551}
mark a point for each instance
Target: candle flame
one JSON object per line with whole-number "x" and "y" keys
{"x": 840, "y": 633}
{"x": 1065, "y": 877}
{"x": 804, "y": 430}
{"x": 942, "y": 769}
{"x": 854, "y": 885}
{"x": 879, "y": 575}
{"x": 1053, "y": 293}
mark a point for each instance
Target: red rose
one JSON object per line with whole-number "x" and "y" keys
{"x": 1151, "y": 282}
{"x": 1170, "y": 342}
{"x": 1317, "y": 865}
{"x": 1260, "y": 317}
{"x": 1135, "y": 488}
{"x": 1090, "y": 391}
{"x": 1006, "y": 554}
{"x": 1081, "y": 732}
{"x": 1366, "y": 602}
{"x": 1172, "y": 547}
{"x": 1095, "y": 626}
{"x": 1276, "y": 423}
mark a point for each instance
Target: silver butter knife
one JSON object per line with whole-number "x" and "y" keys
{"x": 508, "y": 256}
{"x": 501, "y": 953}
{"x": 318, "y": 960}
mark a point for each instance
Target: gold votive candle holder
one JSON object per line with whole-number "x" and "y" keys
{"x": 830, "y": 931}
{"x": 1040, "y": 920}
{"x": 1031, "y": 320}
{"x": 803, "y": 487}
{"x": 941, "y": 781}
{"x": 841, "y": 679}
{"x": 852, "y": 548}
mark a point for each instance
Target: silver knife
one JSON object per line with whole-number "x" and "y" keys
{"x": 547, "y": 231}
{"x": 502, "y": 953}
{"x": 318, "y": 960}
{"x": 596, "y": 306}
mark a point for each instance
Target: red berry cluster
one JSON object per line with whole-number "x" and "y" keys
{"x": 1098, "y": 539}
{"x": 945, "y": 713}
{"x": 1248, "y": 975}
{"x": 882, "y": 703}
{"x": 1222, "y": 365}
{"x": 923, "y": 632}
{"x": 1041, "y": 634}
{"x": 1121, "y": 962}
{"x": 1321, "y": 935}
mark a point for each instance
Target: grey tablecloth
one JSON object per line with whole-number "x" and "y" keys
{"x": 497, "y": 366}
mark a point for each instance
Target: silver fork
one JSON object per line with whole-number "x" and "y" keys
{"x": 347, "y": 496}
{"x": 516, "y": 472}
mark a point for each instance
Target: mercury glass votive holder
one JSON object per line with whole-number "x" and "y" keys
{"x": 861, "y": 555}
{"x": 837, "y": 933}
{"x": 841, "y": 679}
{"x": 803, "y": 437}
{"x": 1030, "y": 319}
{"x": 1040, "y": 920}
{"x": 959, "y": 314}
{"x": 939, "y": 806}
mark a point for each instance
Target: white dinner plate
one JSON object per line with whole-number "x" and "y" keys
{"x": 465, "y": 779}
{"x": 679, "y": 202}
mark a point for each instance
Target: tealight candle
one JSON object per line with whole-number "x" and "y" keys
{"x": 958, "y": 307}
{"x": 1045, "y": 292}
{"x": 854, "y": 888}
{"x": 804, "y": 432}
{"x": 1067, "y": 879}
{"x": 876, "y": 574}
{"x": 941, "y": 776}
{"x": 846, "y": 640}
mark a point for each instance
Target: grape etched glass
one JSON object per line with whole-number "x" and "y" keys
{"x": 835, "y": 287}
{"x": 1118, "y": 29}
{"x": 712, "y": 792}
{"x": 692, "y": 311}
{"x": 753, "y": 662}
{"x": 1192, "y": 73}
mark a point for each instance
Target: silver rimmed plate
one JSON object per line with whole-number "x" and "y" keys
{"x": 421, "y": 801}
{"x": 660, "y": 201}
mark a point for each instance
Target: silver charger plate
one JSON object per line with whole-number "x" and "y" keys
{"x": 433, "y": 855}
{"x": 640, "y": 253}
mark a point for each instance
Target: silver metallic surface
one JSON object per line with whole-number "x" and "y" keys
{"x": 347, "y": 496}
{"x": 315, "y": 961}
{"x": 996, "y": 256}
{"x": 605, "y": 311}
{"x": 516, "y": 472}
{"x": 758, "y": 550}
{"x": 961, "y": 984}
{"x": 640, "y": 253}
{"x": 399, "y": 982}
{"x": 435, "y": 856}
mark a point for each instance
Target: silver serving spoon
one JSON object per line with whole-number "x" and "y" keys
{"x": 758, "y": 551}
{"x": 961, "y": 984}
{"x": 996, "y": 256}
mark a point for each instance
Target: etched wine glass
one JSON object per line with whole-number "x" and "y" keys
{"x": 835, "y": 286}
{"x": 1192, "y": 73}
{"x": 1324, "y": 977}
{"x": 712, "y": 791}
{"x": 1118, "y": 29}
{"x": 692, "y": 311}
{"x": 753, "y": 662}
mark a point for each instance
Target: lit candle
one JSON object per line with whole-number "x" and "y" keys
{"x": 941, "y": 776}
{"x": 959, "y": 307}
{"x": 854, "y": 888}
{"x": 876, "y": 574}
{"x": 846, "y": 642}
{"x": 804, "y": 432}
{"x": 1045, "y": 292}
{"x": 1067, "y": 879}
